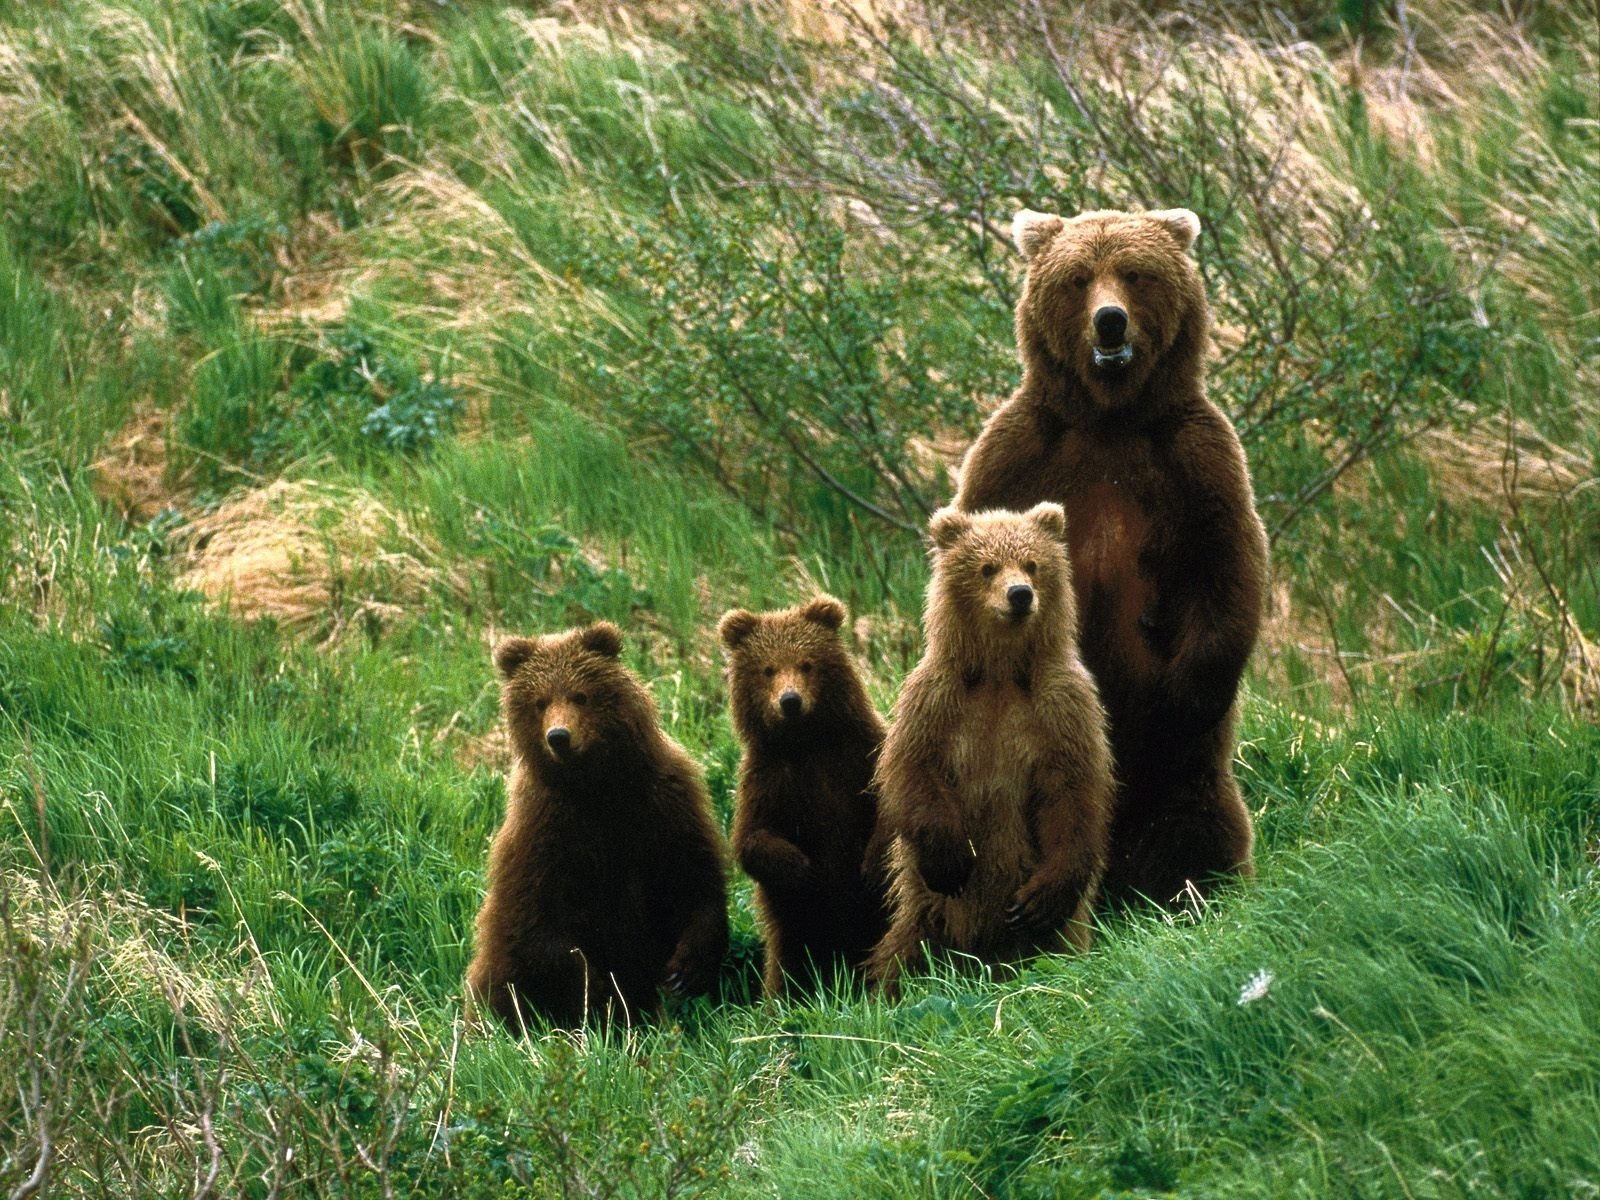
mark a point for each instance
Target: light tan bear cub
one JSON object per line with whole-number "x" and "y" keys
{"x": 996, "y": 776}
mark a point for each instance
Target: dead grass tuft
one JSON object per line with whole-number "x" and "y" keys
{"x": 132, "y": 474}
{"x": 1476, "y": 466}
{"x": 316, "y": 557}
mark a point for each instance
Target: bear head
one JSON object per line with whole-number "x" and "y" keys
{"x": 568, "y": 699}
{"x": 1001, "y": 576}
{"x": 1111, "y": 298}
{"x": 788, "y": 671}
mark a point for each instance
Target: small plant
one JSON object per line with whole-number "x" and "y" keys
{"x": 357, "y": 379}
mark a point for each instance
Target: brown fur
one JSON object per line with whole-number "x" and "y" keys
{"x": 996, "y": 776}
{"x": 1169, "y": 557}
{"x": 807, "y": 818}
{"x": 606, "y": 882}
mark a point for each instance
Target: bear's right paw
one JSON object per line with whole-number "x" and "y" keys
{"x": 945, "y": 861}
{"x": 778, "y": 864}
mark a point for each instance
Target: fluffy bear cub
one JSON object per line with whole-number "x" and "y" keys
{"x": 1169, "y": 558}
{"x": 807, "y": 816}
{"x": 606, "y": 882}
{"x": 996, "y": 776}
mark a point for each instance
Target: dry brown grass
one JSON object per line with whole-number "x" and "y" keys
{"x": 132, "y": 473}
{"x": 316, "y": 557}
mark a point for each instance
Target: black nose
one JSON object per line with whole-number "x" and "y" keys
{"x": 789, "y": 702}
{"x": 1020, "y": 597}
{"x": 1110, "y": 325}
{"x": 560, "y": 739}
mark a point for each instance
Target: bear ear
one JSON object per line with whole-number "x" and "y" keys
{"x": 1051, "y": 518}
{"x": 947, "y": 527}
{"x": 602, "y": 638}
{"x": 735, "y": 626}
{"x": 824, "y": 611}
{"x": 510, "y": 653}
{"x": 1032, "y": 231}
{"x": 1180, "y": 223}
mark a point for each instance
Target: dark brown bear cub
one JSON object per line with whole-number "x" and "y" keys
{"x": 1169, "y": 559}
{"x": 606, "y": 882}
{"x": 806, "y": 821}
{"x": 996, "y": 777}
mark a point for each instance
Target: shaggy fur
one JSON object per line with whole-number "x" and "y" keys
{"x": 805, "y": 828}
{"x": 1169, "y": 557}
{"x": 995, "y": 777}
{"x": 606, "y": 882}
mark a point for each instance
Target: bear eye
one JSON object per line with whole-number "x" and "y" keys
{"x": 540, "y": 704}
{"x": 580, "y": 698}
{"x": 1131, "y": 276}
{"x": 769, "y": 672}
{"x": 1080, "y": 282}
{"x": 989, "y": 570}
{"x": 1030, "y": 566}
{"x": 805, "y": 668}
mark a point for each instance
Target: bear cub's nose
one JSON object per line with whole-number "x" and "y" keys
{"x": 790, "y": 703}
{"x": 560, "y": 739}
{"x": 1020, "y": 597}
{"x": 1110, "y": 325}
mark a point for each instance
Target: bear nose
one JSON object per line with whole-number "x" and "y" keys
{"x": 1110, "y": 325}
{"x": 789, "y": 702}
{"x": 1020, "y": 597}
{"x": 560, "y": 739}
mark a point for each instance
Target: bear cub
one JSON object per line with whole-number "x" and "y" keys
{"x": 996, "y": 776}
{"x": 1169, "y": 558}
{"x": 606, "y": 882}
{"x": 805, "y": 827}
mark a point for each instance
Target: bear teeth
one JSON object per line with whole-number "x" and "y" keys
{"x": 1119, "y": 357}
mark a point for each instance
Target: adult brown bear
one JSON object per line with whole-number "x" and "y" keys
{"x": 1169, "y": 558}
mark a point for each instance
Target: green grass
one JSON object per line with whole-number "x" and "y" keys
{"x": 408, "y": 258}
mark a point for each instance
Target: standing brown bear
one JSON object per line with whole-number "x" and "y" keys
{"x": 996, "y": 777}
{"x": 805, "y": 828}
{"x": 606, "y": 882}
{"x": 1169, "y": 557}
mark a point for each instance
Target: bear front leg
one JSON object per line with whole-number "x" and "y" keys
{"x": 944, "y": 855}
{"x": 773, "y": 861}
{"x": 1071, "y": 824}
{"x": 693, "y": 967}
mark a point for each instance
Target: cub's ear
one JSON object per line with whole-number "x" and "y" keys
{"x": 510, "y": 653}
{"x": 1180, "y": 223}
{"x": 602, "y": 638}
{"x": 1032, "y": 231}
{"x": 947, "y": 526}
{"x": 825, "y": 611}
{"x": 735, "y": 626}
{"x": 1051, "y": 518}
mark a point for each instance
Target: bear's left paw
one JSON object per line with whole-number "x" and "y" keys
{"x": 1040, "y": 905}
{"x": 686, "y": 977}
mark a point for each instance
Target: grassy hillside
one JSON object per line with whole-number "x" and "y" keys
{"x": 336, "y": 340}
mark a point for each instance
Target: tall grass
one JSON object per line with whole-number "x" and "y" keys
{"x": 374, "y": 302}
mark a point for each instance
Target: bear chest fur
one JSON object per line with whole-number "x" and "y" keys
{"x": 991, "y": 756}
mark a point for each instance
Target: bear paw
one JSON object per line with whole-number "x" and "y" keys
{"x": 1040, "y": 906}
{"x": 945, "y": 861}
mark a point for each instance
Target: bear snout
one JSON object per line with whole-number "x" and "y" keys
{"x": 1019, "y": 596}
{"x": 791, "y": 704}
{"x": 1111, "y": 325}
{"x": 559, "y": 739}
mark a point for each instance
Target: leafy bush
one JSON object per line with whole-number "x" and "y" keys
{"x": 770, "y": 361}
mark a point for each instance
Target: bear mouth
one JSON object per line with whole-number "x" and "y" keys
{"x": 1113, "y": 360}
